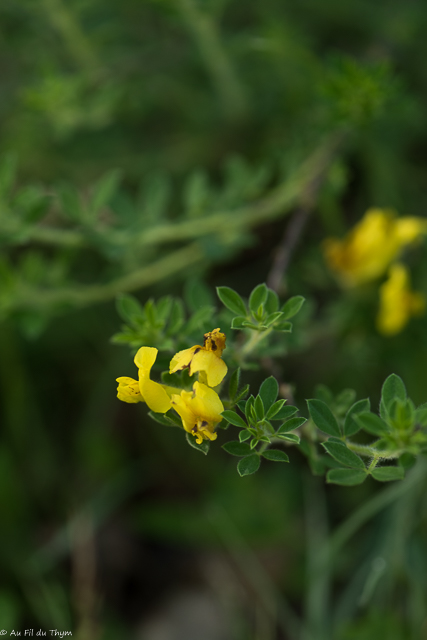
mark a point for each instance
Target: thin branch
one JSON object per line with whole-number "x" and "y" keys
{"x": 277, "y": 203}
{"x": 295, "y": 229}
{"x": 215, "y": 58}
{"x": 84, "y": 295}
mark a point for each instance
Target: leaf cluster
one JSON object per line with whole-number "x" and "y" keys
{"x": 257, "y": 431}
{"x": 263, "y": 310}
{"x": 399, "y": 432}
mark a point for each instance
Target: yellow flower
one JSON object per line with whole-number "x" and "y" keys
{"x": 157, "y": 396}
{"x": 397, "y": 302}
{"x": 128, "y": 390}
{"x": 200, "y": 411}
{"x": 206, "y": 358}
{"x": 369, "y": 248}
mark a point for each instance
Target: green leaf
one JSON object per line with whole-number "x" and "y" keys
{"x": 232, "y": 300}
{"x": 272, "y": 318}
{"x": 276, "y": 455}
{"x": 350, "y": 425}
{"x": 234, "y": 418}
{"x": 200, "y": 318}
{"x": 161, "y": 418}
{"x": 249, "y": 404}
{"x": 386, "y": 474}
{"x": 238, "y": 322}
{"x": 197, "y": 294}
{"x": 129, "y": 308}
{"x": 244, "y": 435}
{"x": 343, "y": 455}
{"x": 421, "y": 415}
{"x": 269, "y": 390}
{"x": 176, "y": 318}
{"x": 259, "y": 408}
{"x": 323, "y": 418}
{"x": 255, "y": 327}
{"x": 203, "y": 447}
{"x": 104, "y": 190}
{"x": 393, "y": 389}
{"x": 285, "y": 327}
{"x": 372, "y": 423}
{"x": 151, "y": 313}
{"x": 272, "y": 302}
{"x": 234, "y": 384}
{"x": 347, "y": 477}
{"x": 258, "y": 297}
{"x": 285, "y": 412}
{"x": 290, "y": 425}
{"x": 275, "y": 408}
{"x": 242, "y": 393}
{"x": 322, "y": 392}
{"x": 163, "y": 308}
{"x": 289, "y": 437}
{"x": 236, "y": 448}
{"x": 249, "y": 465}
{"x": 292, "y": 306}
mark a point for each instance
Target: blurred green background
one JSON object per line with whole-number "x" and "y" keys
{"x": 149, "y": 147}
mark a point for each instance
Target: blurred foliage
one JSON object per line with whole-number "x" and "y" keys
{"x": 144, "y": 144}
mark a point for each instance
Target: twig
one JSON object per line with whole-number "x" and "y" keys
{"x": 216, "y": 60}
{"x": 299, "y": 220}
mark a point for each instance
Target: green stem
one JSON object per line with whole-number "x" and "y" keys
{"x": 214, "y": 56}
{"x": 81, "y": 296}
{"x": 277, "y": 203}
{"x": 254, "y": 573}
{"x": 370, "y": 451}
{"x": 254, "y": 339}
{"x": 79, "y": 46}
{"x": 374, "y": 505}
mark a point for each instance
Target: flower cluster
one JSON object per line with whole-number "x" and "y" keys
{"x": 199, "y": 409}
{"x": 371, "y": 246}
{"x": 369, "y": 251}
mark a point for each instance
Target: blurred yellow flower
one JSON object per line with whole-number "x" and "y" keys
{"x": 397, "y": 302}
{"x": 206, "y": 359}
{"x": 157, "y": 396}
{"x": 200, "y": 410}
{"x": 369, "y": 248}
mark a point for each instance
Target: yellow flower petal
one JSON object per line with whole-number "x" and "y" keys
{"x": 207, "y": 361}
{"x": 369, "y": 248}
{"x": 397, "y": 302}
{"x": 199, "y": 410}
{"x": 145, "y": 358}
{"x": 128, "y": 390}
{"x": 182, "y": 359}
{"x": 154, "y": 395}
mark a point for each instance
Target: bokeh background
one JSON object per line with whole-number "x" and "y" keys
{"x": 162, "y": 147}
